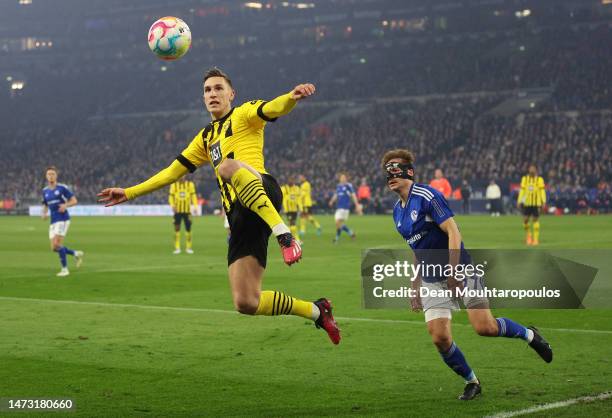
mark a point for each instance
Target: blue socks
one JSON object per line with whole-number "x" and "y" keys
{"x": 510, "y": 329}
{"x": 345, "y": 229}
{"x": 456, "y": 361}
{"x": 62, "y": 255}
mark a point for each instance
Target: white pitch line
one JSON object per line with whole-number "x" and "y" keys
{"x": 225, "y": 311}
{"x": 553, "y": 405}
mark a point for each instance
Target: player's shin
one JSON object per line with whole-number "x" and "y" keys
{"x": 273, "y": 303}
{"x": 188, "y": 240}
{"x": 251, "y": 193}
{"x": 536, "y": 232}
{"x": 455, "y": 359}
{"x": 177, "y": 240}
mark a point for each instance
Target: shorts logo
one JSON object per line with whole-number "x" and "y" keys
{"x": 414, "y": 215}
{"x": 215, "y": 153}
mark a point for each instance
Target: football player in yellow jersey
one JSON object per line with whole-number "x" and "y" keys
{"x": 531, "y": 199}
{"x": 306, "y": 215}
{"x": 183, "y": 200}
{"x": 292, "y": 203}
{"x": 233, "y": 144}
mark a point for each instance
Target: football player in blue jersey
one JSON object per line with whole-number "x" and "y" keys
{"x": 344, "y": 195}
{"x": 57, "y": 198}
{"x": 423, "y": 218}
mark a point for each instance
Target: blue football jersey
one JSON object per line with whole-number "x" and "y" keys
{"x": 418, "y": 223}
{"x": 53, "y": 198}
{"x": 344, "y": 192}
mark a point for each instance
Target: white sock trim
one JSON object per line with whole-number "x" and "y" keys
{"x": 315, "y": 312}
{"x": 280, "y": 229}
{"x": 529, "y": 335}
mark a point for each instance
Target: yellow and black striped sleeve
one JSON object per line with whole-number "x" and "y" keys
{"x": 258, "y": 112}
{"x": 522, "y": 191}
{"x": 542, "y": 191}
{"x": 195, "y": 154}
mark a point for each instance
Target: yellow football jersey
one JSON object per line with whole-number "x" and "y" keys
{"x": 306, "y": 194}
{"x": 182, "y": 196}
{"x": 292, "y": 198}
{"x": 238, "y": 135}
{"x": 533, "y": 192}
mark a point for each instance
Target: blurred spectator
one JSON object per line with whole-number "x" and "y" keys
{"x": 493, "y": 195}
{"x": 441, "y": 184}
{"x": 364, "y": 195}
{"x": 466, "y": 193}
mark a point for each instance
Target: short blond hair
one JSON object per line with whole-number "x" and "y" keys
{"x": 404, "y": 154}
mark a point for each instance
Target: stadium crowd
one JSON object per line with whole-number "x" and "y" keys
{"x": 436, "y": 94}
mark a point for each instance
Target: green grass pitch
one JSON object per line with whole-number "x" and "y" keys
{"x": 139, "y": 332}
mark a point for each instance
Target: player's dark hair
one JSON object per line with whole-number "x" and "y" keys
{"x": 217, "y": 72}
{"x": 404, "y": 154}
{"x": 51, "y": 167}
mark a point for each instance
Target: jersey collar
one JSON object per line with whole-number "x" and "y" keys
{"x": 409, "y": 195}
{"x": 224, "y": 118}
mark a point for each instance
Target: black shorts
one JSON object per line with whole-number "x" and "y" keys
{"x": 185, "y": 217}
{"x": 531, "y": 211}
{"x": 248, "y": 232}
{"x": 292, "y": 216}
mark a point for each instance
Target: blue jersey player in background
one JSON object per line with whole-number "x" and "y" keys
{"x": 57, "y": 198}
{"x": 424, "y": 220}
{"x": 344, "y": 195}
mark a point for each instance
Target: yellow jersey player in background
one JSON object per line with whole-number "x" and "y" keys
{"x": 183, "y": 200}
{"x": 233, "y": 144}
{"x": 531, "y": 199}
{"x": 305, "y": 214}
{"x": 292, "y": 203}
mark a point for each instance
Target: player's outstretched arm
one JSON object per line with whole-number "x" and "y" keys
{"x": 116, "y": 195}
{"x": 285, "y": 103}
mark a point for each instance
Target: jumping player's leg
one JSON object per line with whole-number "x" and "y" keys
{"x": 486, "y": 325}
{"x": 245, "y": 276}
{"x": 248, "y": 185}
{"x": 439, "y": 328}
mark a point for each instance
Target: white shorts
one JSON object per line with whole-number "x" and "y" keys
{"x": 341, "y": 214}
{"x": 59, "y": 228}
{"x": 442, "y": 306}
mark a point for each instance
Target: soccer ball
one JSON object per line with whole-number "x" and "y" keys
{"x": 169, "y": 38}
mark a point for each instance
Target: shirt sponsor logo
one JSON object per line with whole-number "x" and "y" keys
{"x": 215, "y": 153}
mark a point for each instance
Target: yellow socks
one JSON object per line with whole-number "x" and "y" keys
{"x": 251, "y": 193}
{"x": 188, "y": 240}
{"x": 314, "y": 221}
{"x": 536, "y": 232}
{"x": 527, "y": 233}
{"x": 294, "y": 230}
{"x": 277, "y": 303}
{"x": 302, "y": 225}
{"x": 177, "y": 240}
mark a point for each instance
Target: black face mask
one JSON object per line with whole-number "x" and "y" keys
{"x": 398, "y": 171}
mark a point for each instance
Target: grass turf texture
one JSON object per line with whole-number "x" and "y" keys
{"x": 115, "y": 359}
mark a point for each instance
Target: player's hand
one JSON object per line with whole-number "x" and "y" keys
{"x": 416, "y": 304}
{"x": 359, "y": 209}
{"x": 44, "y": 216}
{"x": 302, "y": 91}
{"x": 453, "y": 284}
{"x": 61, "y": 208}
{"x": 112, "y": 196}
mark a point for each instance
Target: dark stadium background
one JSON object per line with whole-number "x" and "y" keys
{"x": 478, "y": 88}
